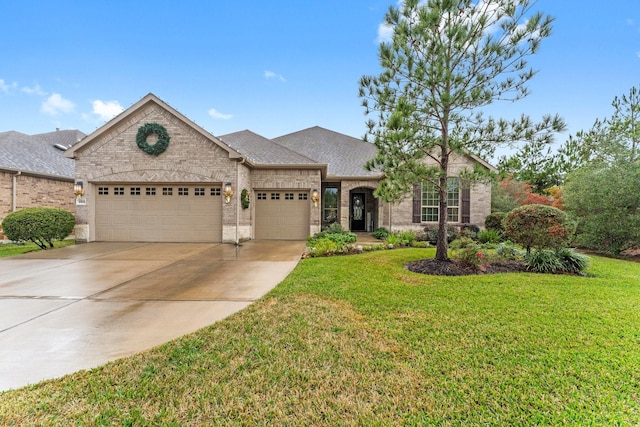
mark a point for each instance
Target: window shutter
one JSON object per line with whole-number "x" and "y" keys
{"x": 417, "y": 203}
{"x": 466, "y": 205}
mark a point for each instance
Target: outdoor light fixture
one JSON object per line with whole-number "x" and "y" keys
{"x": 315, "y": 197}
{"x": 78, "y": 189}
{"x": 228, "y": 192}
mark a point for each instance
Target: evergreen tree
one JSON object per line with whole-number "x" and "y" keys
{"x": 446, "y": 61}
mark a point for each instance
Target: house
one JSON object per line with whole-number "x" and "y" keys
{"x": 151, "y": 174}
{"x": 34, "y": 171}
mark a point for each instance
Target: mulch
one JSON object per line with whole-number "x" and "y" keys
{"x": 457, "y": 268}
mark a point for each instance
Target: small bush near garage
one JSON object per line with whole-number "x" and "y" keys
{"x": 38, "y": 225}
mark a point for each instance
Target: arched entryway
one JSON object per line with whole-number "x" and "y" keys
{"x": 363, "y": 210}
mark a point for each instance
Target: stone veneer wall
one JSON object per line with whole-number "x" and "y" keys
{"x": 190, "y": 158}
{"x": 35, "y": 191}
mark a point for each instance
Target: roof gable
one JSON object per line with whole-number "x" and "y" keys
{"x": 134, "y": 109}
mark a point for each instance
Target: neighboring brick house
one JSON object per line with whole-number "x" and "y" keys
{"x": 296, "y": 183}
{"x": 34, "y": 171}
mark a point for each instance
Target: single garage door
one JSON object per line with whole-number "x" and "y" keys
{"x": 282, "y": 215}
{"x": 158, "y": 212}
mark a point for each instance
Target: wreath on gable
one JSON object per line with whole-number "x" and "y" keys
{"x": 163, "y": 138}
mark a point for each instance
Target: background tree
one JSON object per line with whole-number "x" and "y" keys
{"x": 448, "y": 59}
{"x": 606, "y": 201}
{"x": 535, "y": 164}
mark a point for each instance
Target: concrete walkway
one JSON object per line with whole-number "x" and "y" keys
{"x": 79, "y": 307}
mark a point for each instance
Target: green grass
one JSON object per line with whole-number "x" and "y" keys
{"x": 11, "y": 249}
{"x": 358, "y": 340}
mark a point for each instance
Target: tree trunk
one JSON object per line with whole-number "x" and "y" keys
{"x": 442, "y": 246}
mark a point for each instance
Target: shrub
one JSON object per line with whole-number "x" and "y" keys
{"x": 469, "y": 230}
{"x": 402, "y": 238}
{"x": 381, "y": 233}
{"x": 471, "y": 255}
{"x": 431, "y": 234}
{"x": 543, "y": 261}
{"x": 572, "y": 261}
{"x": 38, "y": 225}
{"x": 461, "y": 243}
{"x": 495, "y": 221}
{"x": 538, "y": 226}
{"x": 508, "y": 250}
{"x": 489, "y": 236}
{"x": 334, "y": 228}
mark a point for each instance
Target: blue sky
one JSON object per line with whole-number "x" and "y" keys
{"x": 273, "y": 67}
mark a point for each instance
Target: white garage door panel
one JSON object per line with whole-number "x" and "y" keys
{"x": 282, "y": 215}
{"x": 150, "y": 215}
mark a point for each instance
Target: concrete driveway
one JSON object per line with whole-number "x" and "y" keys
{"x": 75, "y": 308}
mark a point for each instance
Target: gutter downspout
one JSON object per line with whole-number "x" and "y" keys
{"x": 14, "y": 191}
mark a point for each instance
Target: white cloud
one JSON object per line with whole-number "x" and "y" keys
{"x": 271, "y": 75}
{"x": 106, "y": 110}
{"x": 385, "y": 33}
{"x": 36, "y": 90}
{"x": 218, "y": 115}
{"x": 4, "y": 86}
{"x": 56, "y": 104}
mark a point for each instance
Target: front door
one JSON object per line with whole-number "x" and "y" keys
{"x": 358, "y": 220}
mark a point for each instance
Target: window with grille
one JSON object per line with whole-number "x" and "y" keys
{"x": 103, "y": 191}
{"x": 118, "y": 191}
{"x": 150, "y": 191}
{"x": 288, "y": 196}
{"x": 262, "y": 196}
{"x": 183, "y": 191}
{"x": 167, "y": 191}
{"x": 215, "y": 191}
{"x": 275, "y": 196}
{"x": 431, "y": 201}
{"x": 198, "y": 191}
{"x": 134, "y": 191}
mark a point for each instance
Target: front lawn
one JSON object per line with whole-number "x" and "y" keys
{"x": 11, "y": 249}
{"x": 358, "y": 340}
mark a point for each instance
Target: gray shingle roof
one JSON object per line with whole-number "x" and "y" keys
{"x": 344, "y": 155}
{"x": 260, "y": 150}
{"x": 37, "y": 153}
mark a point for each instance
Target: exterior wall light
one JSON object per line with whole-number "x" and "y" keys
{"x": 78, "y": 189}
{"x": 315, "y": 197}
{"x": 228, "y": 192}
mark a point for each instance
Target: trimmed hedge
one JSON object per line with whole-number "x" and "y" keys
{"x": 38, "y": 225}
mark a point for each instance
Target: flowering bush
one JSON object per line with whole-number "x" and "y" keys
{"x": 538, "y": 226}
{"x": 471, "y": 255}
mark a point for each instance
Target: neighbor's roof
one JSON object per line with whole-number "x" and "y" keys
{"x": 344, "y": 155}
{"x": 260, "y": 150}
{"x": 38, "y": 153}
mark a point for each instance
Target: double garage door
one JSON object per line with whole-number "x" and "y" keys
{"x": 158, "y": 212}
{"x": 282, "y": 214}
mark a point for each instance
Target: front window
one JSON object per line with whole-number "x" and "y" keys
{"x": 329, "y": 205}
{"x": 431, "y": 202}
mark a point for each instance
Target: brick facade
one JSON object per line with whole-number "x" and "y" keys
{"x": 33, "y": 191}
